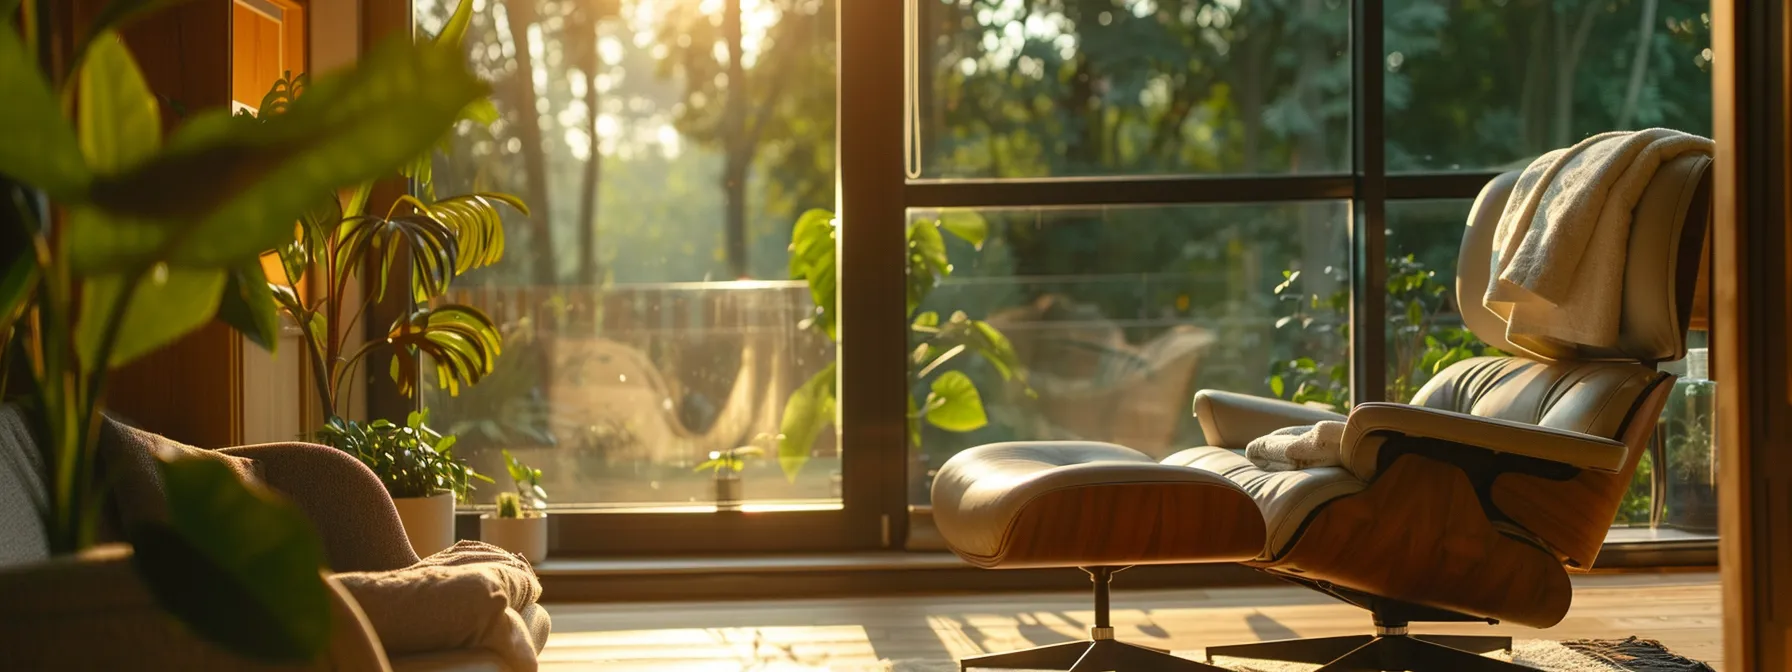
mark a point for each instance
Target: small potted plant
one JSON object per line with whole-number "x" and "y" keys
{"x": 520, "y": 525}
{"x": 726, "y": 465}
{"x": 418, "y": 467}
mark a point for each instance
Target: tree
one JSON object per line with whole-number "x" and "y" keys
{"x": 709, "y": 53}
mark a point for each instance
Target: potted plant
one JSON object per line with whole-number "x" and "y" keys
{"x": 340, "y": 243}
{"x": 417, "y": 466}
{"x": 520, "y": 525}
{"x": 726, "y": 466}
{"x": 116, "y": 242}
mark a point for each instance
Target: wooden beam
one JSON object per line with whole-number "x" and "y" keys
{"x": 1751, "y": 290}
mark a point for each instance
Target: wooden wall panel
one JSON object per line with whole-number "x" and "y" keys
{"x": 194, "y": 390}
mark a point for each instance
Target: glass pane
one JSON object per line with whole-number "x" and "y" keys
{"x": 1056, "y": 88}
{"x": 650, "y": 325}
{"x": 1424, "y": 330}
{"x": 1116, "y": 317}
{"x": 1491, "y": 84}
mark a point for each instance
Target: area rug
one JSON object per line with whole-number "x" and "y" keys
{"x": 1586, "y": 655}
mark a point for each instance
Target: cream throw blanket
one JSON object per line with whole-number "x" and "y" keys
{"x": 1560, "y": 246}
{"x": 464, "y": 597}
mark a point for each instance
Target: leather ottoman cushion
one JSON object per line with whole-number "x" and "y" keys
{"x": 1065, "y": 503}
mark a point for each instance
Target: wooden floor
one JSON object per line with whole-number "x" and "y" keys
{"x": 1680, "y": 609}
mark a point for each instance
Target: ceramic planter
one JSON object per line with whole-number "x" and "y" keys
{"x": 728, "y": 489}
{"x": 428, "y": 521}
{"x": 526, "y": 536}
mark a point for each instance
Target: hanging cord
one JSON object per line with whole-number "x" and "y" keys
{"x": 911, "y": 89}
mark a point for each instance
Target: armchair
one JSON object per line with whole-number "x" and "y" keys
{"x": 1469, "y": 503}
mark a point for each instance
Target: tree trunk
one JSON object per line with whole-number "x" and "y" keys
{"x": 1569, "y": 53}
{"x": 1532, "y": 110}
{"x": 738, "y": 152}
{"x": 589, "y": 273}
{"x": 1639, "y": 64}
{"x": 520, "y": 14}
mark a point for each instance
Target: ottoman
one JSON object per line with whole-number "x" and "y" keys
{"x": 1095, "y": 506}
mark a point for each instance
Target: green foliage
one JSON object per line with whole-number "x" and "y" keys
{"x": 261, "y": 548}
{"x": 117, "y": 243}
{"x": 951, "y": 400}
{"x": 527, "y": 480}
{"x": 411, "y": 459}
{"x": 1419, "y": 346}
{"x": 733, "y": 460}
{"x": 340, "y": 241}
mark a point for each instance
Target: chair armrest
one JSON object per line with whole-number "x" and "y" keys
{"x": 93, "y": 613}
{"x": 1232, "y": 420}
{"x": 342, "y": 497}
{"x": 1370, "y": 423}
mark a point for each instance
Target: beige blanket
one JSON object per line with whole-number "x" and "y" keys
{"x": 1560, "y": 246}
{"x": 465, "y": 597}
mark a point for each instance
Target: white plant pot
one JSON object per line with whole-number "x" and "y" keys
{"x": 428, "y": 521}
{"x": 527, "y": 536}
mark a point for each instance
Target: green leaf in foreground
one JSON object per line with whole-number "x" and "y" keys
{"x": 36, "y": 145}
{"x": 967, "y": 225}
{"x": 119, "y": 124}
{"x": 167, "y": 304}
{"x": 954, "y": 405}
{"x": 230, "y": 187}
{"x": 806, "y": 414}
{"x": 248, "y": 305}
{"x": 237, "y": 563}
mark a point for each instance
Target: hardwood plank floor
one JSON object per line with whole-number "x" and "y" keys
{"x": 1681, "y": 610}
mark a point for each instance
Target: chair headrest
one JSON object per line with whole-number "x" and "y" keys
{"x": 1664, "y": 269}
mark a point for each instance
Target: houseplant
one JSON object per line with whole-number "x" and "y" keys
{"x": 726, "y": 466}
{"x": 520, "y": 524}
{"x": 417, "y": 466}
{"x": 119, "y": 242}
{"x": 941, "y": 397}
{"x": 341, "y": 244}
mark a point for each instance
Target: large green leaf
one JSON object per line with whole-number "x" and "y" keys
{"x": 37, "y": 146}
{"x": 967, "y": 225}
{"x": 954, "y": 405}
{"x": 167, "y": 303}
{"x": 807, "y": 412}
{"x": 18, "y": 264}
{"x": 455, "y": 29}
{"x": 118, "y": 122}
{"x": 238, "y": 564}
{"x": 227, "y": 187}
{"x": 812, "y": 258}
{"x": 248, "y": 305}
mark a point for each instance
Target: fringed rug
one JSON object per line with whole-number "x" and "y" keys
{"x": 1582, "y": 655}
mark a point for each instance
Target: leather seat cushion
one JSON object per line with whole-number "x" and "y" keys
{"x": 980, "y": 492}
{"x": 1287, "y": 498}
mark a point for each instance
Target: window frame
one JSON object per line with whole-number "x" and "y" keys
{"x": 874, "y": 194}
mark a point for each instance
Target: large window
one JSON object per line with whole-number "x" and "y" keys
{"x": 1057, "y": 219}
{"x": 664, "y": 147}
{"x": 1116, "y": 316}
